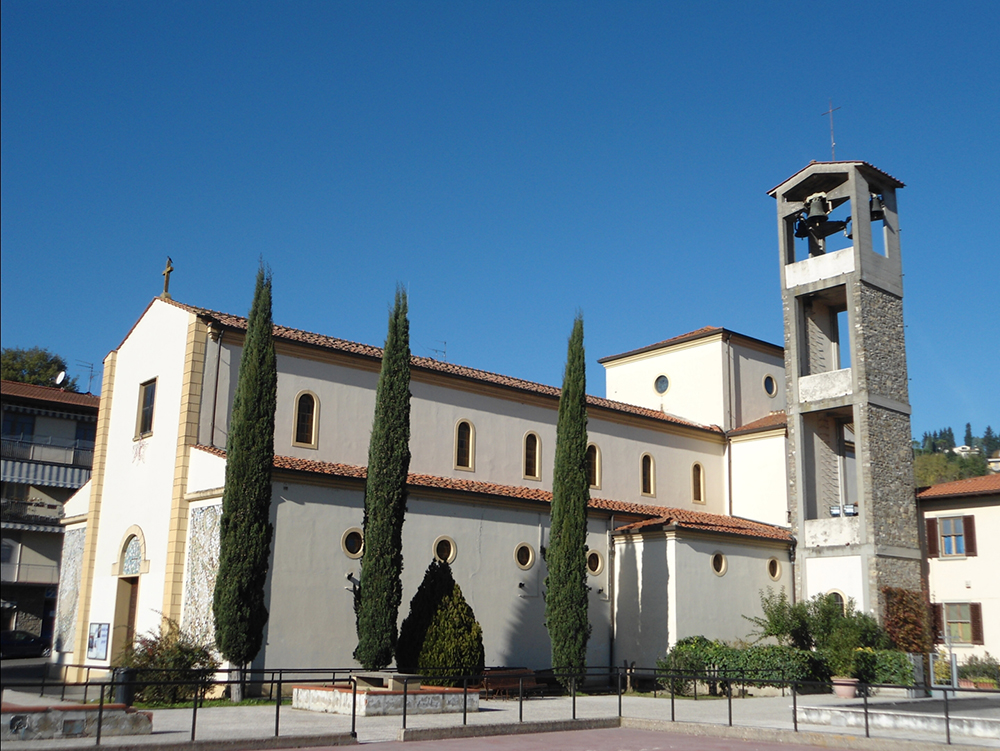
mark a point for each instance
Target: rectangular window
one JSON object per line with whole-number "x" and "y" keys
{"x": 958, "y": 621}
{"x": 952, "y": 536}
{"x": 147, "y": 398}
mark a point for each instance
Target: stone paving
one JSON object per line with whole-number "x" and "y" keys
{"x": 258, "y": 722}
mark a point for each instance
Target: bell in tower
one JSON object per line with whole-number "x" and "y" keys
{"x": 850, "y": 461}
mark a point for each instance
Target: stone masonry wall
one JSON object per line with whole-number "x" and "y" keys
{"x": 882, "y": 351}
{"x": 199, "y": 577}
{"x": 888, "y": 469}
{"x": 69, "y": 589}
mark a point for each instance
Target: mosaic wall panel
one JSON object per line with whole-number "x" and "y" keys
{"x": 69, "y": 588}
{"x": 199, "y": 578}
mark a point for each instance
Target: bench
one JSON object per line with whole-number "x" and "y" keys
{"x": 506, "y": 681}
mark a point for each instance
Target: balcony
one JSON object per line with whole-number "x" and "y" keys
{"x": 29, "y": 573}
{"x": 31, "y": 511}
{"x": 48, "y": 450}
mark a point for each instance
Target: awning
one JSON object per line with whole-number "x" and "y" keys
{"x": 44, "y": 475}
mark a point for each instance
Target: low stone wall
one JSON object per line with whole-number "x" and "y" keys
{"x": 974, "y": 727}
{"x": 71, "y": 721}
{"x": 380, "y": 702}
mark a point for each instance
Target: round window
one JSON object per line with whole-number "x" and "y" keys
{"x": 774, "y": 569}
{"x": 770, "y": 386}
{"x": 524, "y": 556}
{"x": 445, "y": 549}
{"x": 595, "y": 563}
{"x": 661, "y": 384}
{"x": 353, "y": 543}
{"x": 719, "y": 564}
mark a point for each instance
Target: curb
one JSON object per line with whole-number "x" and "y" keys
{"x": 777, "y": 735}
{"x": 228, "y": 744}
{"x": 521, "y": 728}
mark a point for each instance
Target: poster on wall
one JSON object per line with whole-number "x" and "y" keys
{"x": 97, "y": 643}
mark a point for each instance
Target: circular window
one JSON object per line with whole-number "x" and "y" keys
{"x": 595, "y": 563}
{"x": 719, "y": 564}
{"x": 524, "y": 556}
{"x": 445, "y": 549}
{"x": 774, "y": 569}
{"x": 661, "y": 384}
{"x": 353, "y": 543}
{"x": 770, "y": 386}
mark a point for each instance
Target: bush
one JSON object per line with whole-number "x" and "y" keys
{"x": 907, "y": 619}
{"x": 440, "y": 635}
{"x": 169, "y": 655}
{"x": 893, "y": 667}
{"x": 759, "y": 662}
{"x": 983, "y": 669}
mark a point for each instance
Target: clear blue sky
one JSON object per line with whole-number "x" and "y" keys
{"x": 509, "y": 162}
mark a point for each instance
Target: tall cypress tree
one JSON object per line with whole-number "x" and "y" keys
{"x": 245, "y": 528}
{"x": 378, "y": 596}
{"x": 566, "y": 555}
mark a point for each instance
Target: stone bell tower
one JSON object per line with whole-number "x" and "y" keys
{"x": 850, "y": 460}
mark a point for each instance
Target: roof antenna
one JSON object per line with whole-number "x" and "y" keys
{"x": 443, "y": 351}
{"x": 90, "y": 378}
{"x": 833, "y": 144}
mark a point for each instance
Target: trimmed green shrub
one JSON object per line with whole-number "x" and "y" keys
{"x": 440, "y": 636}
{"x": 759, "y": 662}
{"x": 893, "y": 667}
{"x": 169, "y": 655}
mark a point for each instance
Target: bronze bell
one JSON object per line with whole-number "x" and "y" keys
{"x": 877, "y": 209}
{"x": 817, "y": 211}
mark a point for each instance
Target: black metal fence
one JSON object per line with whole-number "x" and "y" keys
{"x": 598, "y": 680}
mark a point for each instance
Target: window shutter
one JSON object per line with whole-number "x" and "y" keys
{"x": 932, "y": 538}
{"x": 938, "y": 622}
{"x": 969, "y": 528}
{"x": 976, "y": 613}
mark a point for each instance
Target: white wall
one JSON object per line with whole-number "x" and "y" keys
{"x": 751, "y": 366}
{"x": 760, "y": 487}
{"x": 961, "y": 579}
{"x": 842, "y": 573}
{"x": 139, "y": 474}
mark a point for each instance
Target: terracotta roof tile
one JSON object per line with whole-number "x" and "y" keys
{"x": 694, "y": 520}
{"x": 48, "y": 394}
{"x": 426, "y": 363}
{"x": 772, "y": 421}
{"x": 986, "y": 485}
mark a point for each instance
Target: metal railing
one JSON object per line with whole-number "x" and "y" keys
{"x": 48, "y": 449}
{"x": 29, "y": 573}
{"x": 598, "y": 680}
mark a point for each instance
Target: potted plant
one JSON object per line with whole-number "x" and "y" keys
{"x": 841, "y": 663}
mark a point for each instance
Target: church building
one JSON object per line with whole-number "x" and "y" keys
{"x": 696, "y": 502}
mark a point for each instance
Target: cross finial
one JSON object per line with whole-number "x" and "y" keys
{"x": 166, "y": 279}
{"x": 833, "y": 144}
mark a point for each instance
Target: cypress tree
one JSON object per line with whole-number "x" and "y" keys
{"x": 377, "y": 597}
{"x": 566, "y": 555}
{"x": 245, "y": 528}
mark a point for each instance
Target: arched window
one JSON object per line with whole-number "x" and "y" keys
{"x": 306, "y": 420}
{"x": 593, "y": 466}
{"x": 697, "y": 483}
{"x": 648, "y": 475}
{"x": 532, "y": 457}
{"x": 465, "y": 445}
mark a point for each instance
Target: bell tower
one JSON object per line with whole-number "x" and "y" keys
{"x": 850, "y": 461}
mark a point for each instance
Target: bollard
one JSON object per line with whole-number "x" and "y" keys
{"x": 465, "y": 699}
{"x": 520, "y": 699}
{"x": 277, "y": 708}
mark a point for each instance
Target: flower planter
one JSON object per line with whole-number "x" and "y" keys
{"x": 845, "y": 688}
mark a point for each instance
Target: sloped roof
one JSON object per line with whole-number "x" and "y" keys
{"x": 703, "y": 333}
{"x": 656, "y": 515}
{"x": 429, "y": 364}
{"x": 865, "y": 166}
{"x": 15, "y": 389}
{"x": 772, "y": 421}
{"x": 986, "y": 485}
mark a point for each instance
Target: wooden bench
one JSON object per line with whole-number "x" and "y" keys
{"x": 506, "y": 682}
